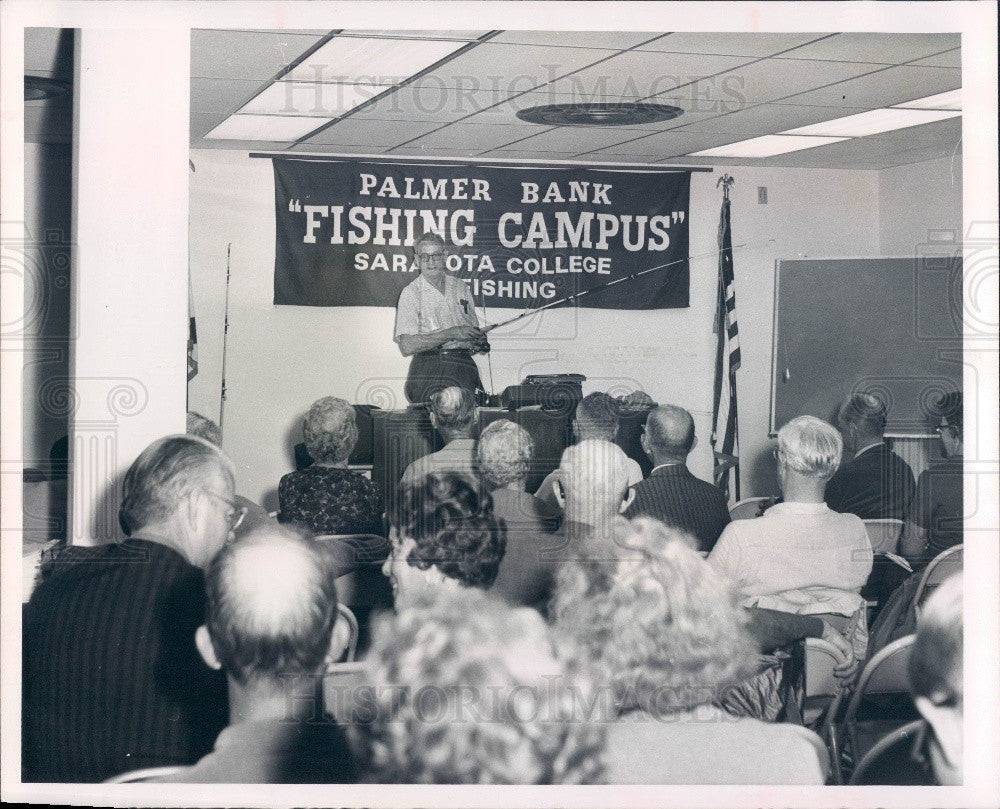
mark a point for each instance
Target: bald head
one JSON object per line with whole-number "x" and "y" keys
{"x": 271, "y": 605}
{"x": 669, "y": 434}
{"x": 594, "y": 476}
{"x": 454, "y": 411}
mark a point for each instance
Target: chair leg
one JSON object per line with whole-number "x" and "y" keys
{"x": 838, "y": 775}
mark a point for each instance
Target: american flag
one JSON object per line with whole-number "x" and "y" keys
{"x": 725, "y": 432}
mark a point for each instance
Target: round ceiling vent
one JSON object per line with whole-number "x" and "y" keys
{"x": 39, "y": 88}
{"x": 599, "y": 114}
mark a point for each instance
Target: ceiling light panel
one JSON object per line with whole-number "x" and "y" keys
{"x": 310, "y": 98}
{"x": 873, "y": 122}
{"x": 372, "y": 60}
{"x": 951, "y": 100}
{"x": 265, "y": 127}
{"x": 766, "y": 146}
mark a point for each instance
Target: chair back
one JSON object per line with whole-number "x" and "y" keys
{"x": 342, "y": 690}
{"x": 821, "y": 684}
{"x": 941, "y": 567}
{"x": 747, "y": 508}
{"x": 889, "y": 759}
{"x": 347, "y": 615}
{"x": 146, "y": 774}
{"x": 885, "y": 673}
{"x": 884, "y": 534}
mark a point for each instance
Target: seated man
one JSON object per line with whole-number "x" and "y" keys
{"x": 272, "y": 635}
{"x": 934, "y": 518}
{"x": 597, "y": 417}
{"x": 671, "y": 493}
{"x": 592, "y": 489}
{"x": 504, "y": 458}
{"x": 454, "y": 415}
{"x": 876, "y": 483}
{"x": 113, "y": 681}
{"x": 800, "y": 556}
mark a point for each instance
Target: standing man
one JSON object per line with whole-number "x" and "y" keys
{"x": 436, "y": 325}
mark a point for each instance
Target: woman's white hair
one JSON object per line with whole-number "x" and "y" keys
{"x": 504, "y": 453}
{"x": 330, "y": 430}
{"x": 810, "y": 446}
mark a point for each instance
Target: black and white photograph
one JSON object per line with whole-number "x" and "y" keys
{"x": 500, "y": 404}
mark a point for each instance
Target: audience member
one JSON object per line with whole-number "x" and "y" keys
{"x": 934, "y": 517}
{"x": 44, "y": 499}
{"x": 527, "y": 571}
{"x": 592, "y": 489}
{"x": 596, "y": 419}
{"x": 252, "y": 515}
{"x": 935, "y": 669}
{"x": 671, "y": 493}
{"x": 443, "y": 535}
{"x": 801, "y": 556}
{"x": 668, "y": 633}
{"x": 876, "y": 483}
{"x": 454, "y": 415}
{"x": 112, "y": 679}
{"x": 272, "y": 635}
{"x": 466, "y": 693}
{"x": 327, "y": 497}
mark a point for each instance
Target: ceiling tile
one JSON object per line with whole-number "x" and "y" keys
{"x": 478, "y": 137}
{"x": 894, "y": 85}
{"x": 509, "y": 68}
{"x": 241, "y": 145}
{"x": 773, "y": 79}
{"x": 952, "y": 58}
{"x": 428, "y": 104}
{"x": 49, "y": 51}
{"x": 245, "y": 54}
{"x": 733, "y": 44}
{"x": 578, "y": 138}
{"x": 675, "y": 142}
{"x": 605, "y": 157}
{"x": 513, "y": 154}
{"x": 869, "y": 47}
{"x": 223, "y": 96}
{"x": 426, "y": 151}
{"x": 601, "y": 40}
{"x": 638, "y": 74}
{"x": 323, "y": 148}
{"x": 372, "y": 60}
{"x": 204, "y": 122}
{"x": 351, "y": 131}
{"x": 767, "y": 119}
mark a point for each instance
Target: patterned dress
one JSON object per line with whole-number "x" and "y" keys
{"x": 326, "y": 500}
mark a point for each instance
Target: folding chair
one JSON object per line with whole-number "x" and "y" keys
{"x": 884, "y": 534}
{"x": 941, "y": 567}
{"x": 888, "y": 762}
{"x": 880, "y": 703}
{"x": 747, "y": 508}
{"x": 146, "y": 774}
{"x": 352, "y": 644}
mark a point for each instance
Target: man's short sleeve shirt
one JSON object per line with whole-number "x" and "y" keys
{"x": 423, "y": 309}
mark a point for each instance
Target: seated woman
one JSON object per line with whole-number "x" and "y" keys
{"x": 327, "y": 497}
{"x": 800, "y": 556}
{"x": 527, "y": 573}
{"x": 443, "y": 535}
{"x": 467, "y": 691}
{"x": 668, "y": 633}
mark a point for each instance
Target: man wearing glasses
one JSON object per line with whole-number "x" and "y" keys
{"x": 113, "y": 681}
{"x": 436, "y": 325}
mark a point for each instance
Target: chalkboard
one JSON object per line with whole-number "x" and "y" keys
{"x": 887, "y": 326}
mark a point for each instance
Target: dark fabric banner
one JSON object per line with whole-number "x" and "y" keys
{"x": 521, "y": 236}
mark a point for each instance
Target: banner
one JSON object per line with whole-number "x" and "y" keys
{"x": 521, "y": 236}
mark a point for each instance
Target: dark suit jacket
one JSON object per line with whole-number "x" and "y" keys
{"x": 876, "y": 485}
{"x": 112, "y": 679}
{"x": 675, "y": 496}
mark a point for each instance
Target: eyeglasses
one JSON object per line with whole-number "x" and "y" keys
{"x": 235, "y": 514}
{"x": 428, "y": 258}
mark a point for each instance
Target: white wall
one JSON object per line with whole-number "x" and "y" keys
{"x": 918, "y": 198}
{"x": 280, "y": 359}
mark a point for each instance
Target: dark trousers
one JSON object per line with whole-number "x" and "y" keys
{"x": 431, "y": 371}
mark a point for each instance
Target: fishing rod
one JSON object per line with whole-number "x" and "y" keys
{"x": 225, "y": 342}
{"x": 622, "y": 280}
